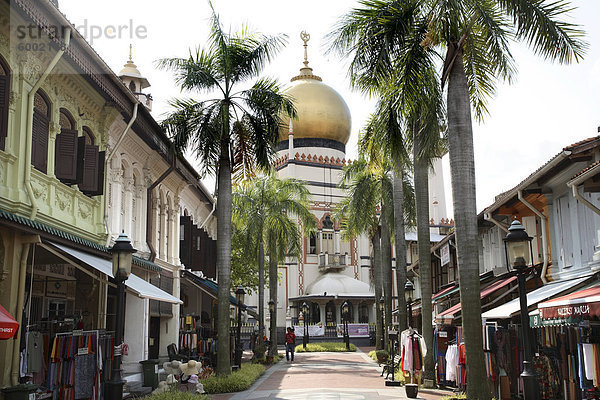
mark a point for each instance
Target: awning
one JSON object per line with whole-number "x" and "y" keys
{"x": 449, "y": 314}
{"x": 579, "y": 305}
{"x": 454, "y": 288}
{"x": 547, "y": 291}
{"x": 134, "y": 283}
{"x": 8, "y": 325}
{"x": 211, "y": 288}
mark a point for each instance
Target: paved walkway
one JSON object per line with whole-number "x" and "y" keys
{"x": 326, "y": 376}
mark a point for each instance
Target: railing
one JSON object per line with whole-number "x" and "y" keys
{"x": 246, "y": 330}
{"x": 332, "y": 260}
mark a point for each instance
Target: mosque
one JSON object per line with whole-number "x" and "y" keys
{"x": 330, "y": 270}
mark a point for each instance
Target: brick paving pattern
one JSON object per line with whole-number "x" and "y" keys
{"x": 326, "y": 376}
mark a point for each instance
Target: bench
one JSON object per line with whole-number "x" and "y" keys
{"x": 387, "y": 368}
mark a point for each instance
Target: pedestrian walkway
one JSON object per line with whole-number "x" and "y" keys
{"x": 326, "y": 376}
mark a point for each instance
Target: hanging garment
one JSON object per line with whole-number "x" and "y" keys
{"x": 451, "y": 362}
{"x": 407, "y": 354}
{"x": 588, "y": 360}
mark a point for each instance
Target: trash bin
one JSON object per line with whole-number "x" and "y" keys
{"x": 150, "y": 372}
{"x": 20, "y": 392}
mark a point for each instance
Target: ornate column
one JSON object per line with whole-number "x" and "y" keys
{"x": 176, "y": 226}
{"x": 53, "y": 131}
{"x": 162, "y": 240}
{"x": 114, "y": 200}
{"x": 170, "y": 251}
{"x": 140, "y": 217}
{"x": 128, "y": 209}
{"x": 336, "y": 242}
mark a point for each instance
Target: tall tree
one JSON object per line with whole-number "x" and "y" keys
{"x": 390, "y": 62}
{"x": 228, "y": 133}
{"x": 267, "y": 209}
{"x": 475, "y": 37}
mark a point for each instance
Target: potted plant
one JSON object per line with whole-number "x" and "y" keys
{"x": 382, "y": 356}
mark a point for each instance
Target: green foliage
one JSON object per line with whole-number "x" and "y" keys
{"x": 236, "y": 382}
{"x": 455, "y": 397}
{"x": 324, "y": 346}
{"x": 244, "y": 268}
{"x": 176, "y": 395}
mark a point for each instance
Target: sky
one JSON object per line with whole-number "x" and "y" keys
{"x": 545, "y": 108}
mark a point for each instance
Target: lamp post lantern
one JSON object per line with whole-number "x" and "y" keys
{"x": 239, "y": 296}
{"x": 519, "y": 253}
{"x": 305, "y": 317}
{"x": 382, "y": 309}
{"x": 122, "y": 255}
{"x": 408, "y": 292}
{"x": 345, "y": 315}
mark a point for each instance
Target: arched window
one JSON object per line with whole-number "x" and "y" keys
{"x": 315, "y": 313}
{"x": 132, "y": 86}
{"x": 40, "y": 132}
{"x": 330, "y": 313}
{"x": 66, "y": 155}
{"x": 363, "y": 313}
{"x": 4, "y": 99}
{"x": 92, "y": 165}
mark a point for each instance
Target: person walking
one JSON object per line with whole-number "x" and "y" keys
{"x": 290, "y": 344}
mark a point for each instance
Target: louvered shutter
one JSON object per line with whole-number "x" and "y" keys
{"x": 166, "y": 284}
{"x": 4, "y": 92}
{"x": 39, "y": 145}
{"x": 155, "y": 304}
{"x": 65, "y": 156}
{"x": 89, "y": 181}
{"x": 196, "y": 259}
{"x": 100, "y": 176}
{"x": 184, "y": 252}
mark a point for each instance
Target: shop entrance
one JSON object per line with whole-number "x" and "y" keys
{"x": 154, "y": 337}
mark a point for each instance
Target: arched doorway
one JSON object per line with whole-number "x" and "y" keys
{"x": 330, "y": 313}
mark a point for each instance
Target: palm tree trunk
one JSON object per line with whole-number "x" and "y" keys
{"x": 273, "y": 294}
{"x": 462, "y": 167}
{"x": 261, "y": 289}
{"x": 424, "y": 241}
{"x": 386, "y": 263}
{"x": 224, "y": 207}
{"x": 400, "y": 242}
{"x": 377, "y": 283}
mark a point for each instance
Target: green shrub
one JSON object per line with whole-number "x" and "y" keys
{"x": 455, "y": 397}
{"x": 324, "y": 346}
{"x": 175, "y": 395}
{"x": 236, "y": 382}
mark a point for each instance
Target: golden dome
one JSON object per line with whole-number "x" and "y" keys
{"x": 321, "y": 112}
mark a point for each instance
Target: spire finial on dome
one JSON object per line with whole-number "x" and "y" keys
{"x": 305, "y": 36}
{"x": 130, "y": 53}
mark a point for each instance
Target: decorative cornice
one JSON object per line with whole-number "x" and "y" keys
{"x": 311, "y": 159}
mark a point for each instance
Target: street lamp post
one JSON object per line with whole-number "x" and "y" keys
{"x": 239, "y": 296}
{"x": 345, "y": 312}
{"x": 271, "y": 312}
{"x": 305, "y": 316}
{"x": 408, "y": 292}
{"x": 382, "y": 309}
{"x": 517, "y": 245}
{"x": 122, "y": 255}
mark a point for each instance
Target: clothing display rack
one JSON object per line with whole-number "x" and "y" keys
{"x": 195, "y": 341}
{"x": 413, "y": 351}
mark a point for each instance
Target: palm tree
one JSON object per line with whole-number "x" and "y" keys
{"x": 403, "y": 75}
{"x": 265, "y": 208}
{"x": 358, "y": 213}
{"x": 228, "y": 133}
{"x": 474, "y": 35}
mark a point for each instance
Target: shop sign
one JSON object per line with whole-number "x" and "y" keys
{"x": 445, "y": 254}
{"x": 584, "y": 310}
{"x": 56, "y": 289}
{"x": 443, "y": 334}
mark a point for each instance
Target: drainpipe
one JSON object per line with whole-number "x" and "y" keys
{"x": 211, "y": 213}
{"x": 27, "y": 241}
{"x": 544, "y": 220}
{"x": 488, "y": 217}
{"x": 576, "y": 194}
{"x": 149, "y": 213}
{"x": 107, "y": 164}
{"x": 29, "y": 134}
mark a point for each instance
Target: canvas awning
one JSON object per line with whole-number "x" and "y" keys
{"x": 547, "y": 291}
{"x": 577, "y": 306}
{"x": 448, "y": 315}
{"x": 135, "y": 284}
{"x": 8, "y": 325}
